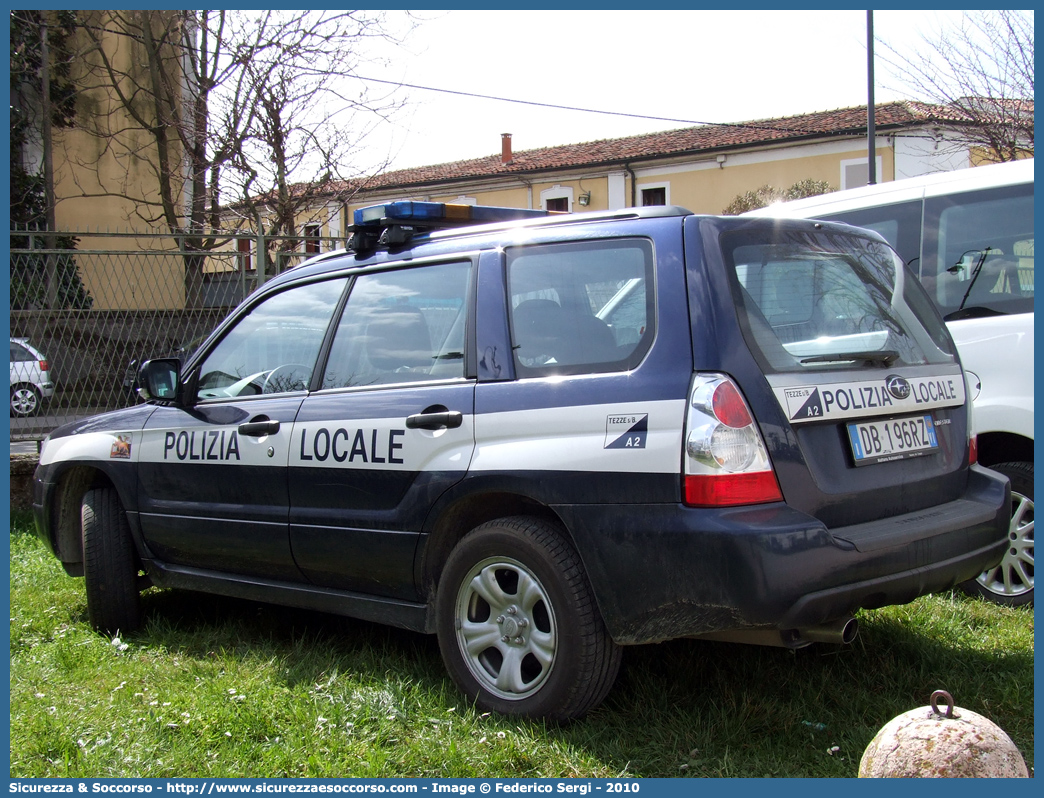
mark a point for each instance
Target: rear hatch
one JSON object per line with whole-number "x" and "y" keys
{"x": 859, "y": 365}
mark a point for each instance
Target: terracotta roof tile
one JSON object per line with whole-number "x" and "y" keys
{"x": 702, "y": 138}
{"x": 841, "y": 122}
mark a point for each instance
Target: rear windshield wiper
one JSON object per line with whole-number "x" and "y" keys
{"x": 884, "y": 356}
{"x": 974, "y": 274}
{"x": 972, "y": 312}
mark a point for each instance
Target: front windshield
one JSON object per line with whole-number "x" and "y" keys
{"x": 814, "y": 300}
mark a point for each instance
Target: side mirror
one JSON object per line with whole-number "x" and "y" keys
{"x": 159, "y": 379}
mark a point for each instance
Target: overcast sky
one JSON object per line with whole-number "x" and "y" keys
{"x": 699, "y": 66}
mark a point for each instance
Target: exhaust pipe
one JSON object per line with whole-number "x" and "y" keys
{"x": 842, "y": 632}
{"x": 839, "y": 632}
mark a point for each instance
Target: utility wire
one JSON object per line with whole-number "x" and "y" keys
{"x": 776, "y": 129}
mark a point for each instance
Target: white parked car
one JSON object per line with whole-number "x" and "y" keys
{"x": 31, "y": 381}
{"x": 968, "y": 235}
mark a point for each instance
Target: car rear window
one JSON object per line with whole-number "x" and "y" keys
{"x": 580, "y": 307}
{"x": 19, "y": 354}
{"x": 814, "y": 300}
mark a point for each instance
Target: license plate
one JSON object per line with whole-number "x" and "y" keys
{"x": 892, "y": 439}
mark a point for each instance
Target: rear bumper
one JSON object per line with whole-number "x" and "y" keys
{"x": 667, "y": 571}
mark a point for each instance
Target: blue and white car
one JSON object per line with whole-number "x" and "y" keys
{"x": 543, "y": 438}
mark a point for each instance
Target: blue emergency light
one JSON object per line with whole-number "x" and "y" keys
{"x": 434, "y": 215}
{"x": 395, "y": 224}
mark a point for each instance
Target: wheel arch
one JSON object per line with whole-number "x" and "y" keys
{"x": 462, "y": 516}
{"x": 1004, "y": 447}
{"x": 72, "y": 484}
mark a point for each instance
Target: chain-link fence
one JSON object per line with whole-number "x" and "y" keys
{"x": 88, "y": 308}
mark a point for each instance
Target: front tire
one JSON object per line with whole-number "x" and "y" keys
{"x": 110, "y": 564}
{"x": 1011, "y": 581}
{"x": 517, "y": 623}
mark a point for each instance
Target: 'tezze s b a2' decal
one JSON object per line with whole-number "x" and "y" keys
{"x": 626, "y": 431}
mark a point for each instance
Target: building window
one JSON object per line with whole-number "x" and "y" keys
{"x": 856, "y": 172}
{"x": 311, "y": 232}
{"x": 654, "y": 195}
{"x": 243, "y": 248}
{"x": 557, "y": 198}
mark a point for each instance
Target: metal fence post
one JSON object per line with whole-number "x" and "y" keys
{"x": 262, "y": 255}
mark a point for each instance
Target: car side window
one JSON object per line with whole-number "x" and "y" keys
{"x": 274, "y": 347}
{"x": 899, "y": 224}
{"x": 402, "y": 326}
{"x": 580, "y": 307}
{"x": 979, "y": 250}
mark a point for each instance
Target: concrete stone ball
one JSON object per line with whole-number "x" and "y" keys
{"x": 923, "y": 743}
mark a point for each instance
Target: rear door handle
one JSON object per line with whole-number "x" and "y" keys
{"x": 449, "y": 419}
{"x": 256, "y": 429}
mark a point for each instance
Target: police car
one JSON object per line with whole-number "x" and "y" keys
{"x": 543, "y": 438}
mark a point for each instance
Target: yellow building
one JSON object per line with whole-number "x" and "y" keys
{"x": 106, "y": 170}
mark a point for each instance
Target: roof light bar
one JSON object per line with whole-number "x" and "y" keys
{"x": 437, "y": 214}
{"x": 396, "y": 223}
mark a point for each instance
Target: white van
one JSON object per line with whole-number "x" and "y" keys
{"x": 968, "y": 235}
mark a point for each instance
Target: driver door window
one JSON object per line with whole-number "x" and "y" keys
{"x": 273, "y": 349}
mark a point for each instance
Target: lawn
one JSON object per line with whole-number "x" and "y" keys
{"x": 214, "y": 687}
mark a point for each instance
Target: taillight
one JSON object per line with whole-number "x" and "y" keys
{"x": 44, "y": 365}
{"x": 973, "y": 449}
{"x": 726, "y": 463}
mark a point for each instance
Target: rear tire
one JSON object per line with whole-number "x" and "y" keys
{"x": 110, "y": 564}
{"x": 1011, "y": 581}
{"x": 517, "y": 623}
{"x": 25, "y": 400}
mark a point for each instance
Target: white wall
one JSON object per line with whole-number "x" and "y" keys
{"x": 925, "y": 152}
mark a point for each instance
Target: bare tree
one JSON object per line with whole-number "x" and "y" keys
{"x": 189, "y": 94}
{"x": 294, "y": 163}
{"x": 981, "y": 71}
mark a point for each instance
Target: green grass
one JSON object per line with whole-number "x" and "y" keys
{"x": 214, "y": 687}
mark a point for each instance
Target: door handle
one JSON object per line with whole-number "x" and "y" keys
{"x": 256, "y": 429}
{"x": 449, "y": 419}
